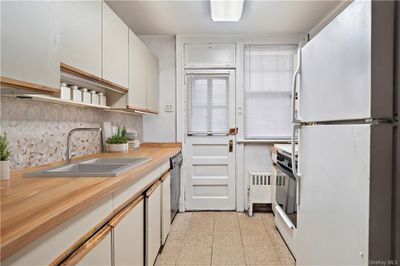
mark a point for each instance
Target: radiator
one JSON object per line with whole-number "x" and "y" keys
{"x": 259, "y": 189}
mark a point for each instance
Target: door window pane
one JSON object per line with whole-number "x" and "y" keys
{"x": 207, "y": 104}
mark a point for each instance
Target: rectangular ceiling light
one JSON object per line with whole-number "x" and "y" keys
{"x": 226, "y": 10}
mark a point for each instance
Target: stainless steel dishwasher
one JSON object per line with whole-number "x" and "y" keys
{"x": 176, "y": 163}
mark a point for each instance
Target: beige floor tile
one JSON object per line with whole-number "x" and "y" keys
{"x": 276, "y": 238}
{"x": 284, "y": 255}
{"x": 169, "y": 254}
{"x": 268, "y": 221}
{"x": 255, "y": 236}
{"x": 194, "y": 256}
{"x": 230, "y": 239}
{"x": 228, "y": 255}
{"x": 177, "y": 235}
{"x": 224, "y": 238}
{"x": 199, "y": 233}
{"x": 261, "y": 255}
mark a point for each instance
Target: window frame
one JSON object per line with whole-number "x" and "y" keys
{"x": 269, "y": 138}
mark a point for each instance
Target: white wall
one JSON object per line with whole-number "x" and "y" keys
{"x": 162, "y": 127}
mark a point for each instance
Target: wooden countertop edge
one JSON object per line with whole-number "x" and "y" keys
{"x": 12, "y": 245}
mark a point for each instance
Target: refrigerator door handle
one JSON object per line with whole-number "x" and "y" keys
{"x": 296, "y": 174}
{"x": 294, "y": 85}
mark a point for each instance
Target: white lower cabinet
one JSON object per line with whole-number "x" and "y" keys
{"x": 165, "y": 206}
{"x": 47, "y": 248}
{"x": 133, "y": 236}
{"x": 95, "y": 251}
{"x": 128, "y": 234}
{"x": 153, "y": 223}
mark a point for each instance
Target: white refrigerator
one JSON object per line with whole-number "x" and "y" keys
{"x": 344, "y": 126}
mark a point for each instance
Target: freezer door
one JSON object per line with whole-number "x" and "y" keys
{"x": 344, "y": 211}
{"x": 347, "y": 68}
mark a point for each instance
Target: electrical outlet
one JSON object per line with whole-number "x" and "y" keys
{"x": 169, "y": 108}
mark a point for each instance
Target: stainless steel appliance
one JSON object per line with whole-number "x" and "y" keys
{"x": 176, "y": 163}
{"x": 285, "y": 196}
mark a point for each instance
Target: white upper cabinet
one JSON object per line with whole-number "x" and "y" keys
{"x": 30, "y": 41}
{"x": 137, "y": 73}
{"x": 210, "y": 55}
{"x": 81, "y": 35}
{"x": 152, "y": 82}
{"x": 115, "y": 48}
{"x": 143, "y": 76}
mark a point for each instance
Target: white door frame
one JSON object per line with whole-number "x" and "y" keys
{"x": 240, "y": 41}
{"x": 224, "y": 157}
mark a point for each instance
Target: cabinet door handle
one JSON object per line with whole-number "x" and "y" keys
{"x": 165, "y": 176}
{"x": 122, "y": 213}
{"x": 230, "y": 145}
{"x": 86, "y": 247}
{"x": 153, "y": 188}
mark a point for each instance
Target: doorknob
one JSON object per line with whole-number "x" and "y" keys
{"x": 230, "y": 145}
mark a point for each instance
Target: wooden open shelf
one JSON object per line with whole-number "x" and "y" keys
{"x": 24, "y": 85}
{"x": 91, "y": 78}
{"x": 46, "y": 98}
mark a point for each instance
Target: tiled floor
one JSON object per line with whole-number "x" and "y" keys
{"x": 224, "y": 238}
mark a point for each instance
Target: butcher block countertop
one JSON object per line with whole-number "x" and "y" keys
{"x": 32, "y": 206}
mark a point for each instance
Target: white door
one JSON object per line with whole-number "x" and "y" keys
{"x": 209, "y": 149}
{"x": 346, "y": 70}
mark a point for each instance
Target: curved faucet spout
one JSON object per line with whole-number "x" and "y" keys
{"x": 68, "y": 153}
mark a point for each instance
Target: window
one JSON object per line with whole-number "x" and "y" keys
{"x": 268, "y": 77}
{"x": 207, "y": 104}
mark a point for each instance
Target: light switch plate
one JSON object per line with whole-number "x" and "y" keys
{"x": 169, "y": 108}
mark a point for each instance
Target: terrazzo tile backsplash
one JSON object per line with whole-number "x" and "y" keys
{"x": 37, "y": 131}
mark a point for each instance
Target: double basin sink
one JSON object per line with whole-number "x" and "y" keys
{"x": 96, "y": 167}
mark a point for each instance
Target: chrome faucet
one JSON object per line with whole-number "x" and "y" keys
{"x": 69, "y": 155}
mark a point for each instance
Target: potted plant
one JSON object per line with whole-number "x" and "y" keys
{"x": 118, "y": 142}
{"x": 4, "y": 155}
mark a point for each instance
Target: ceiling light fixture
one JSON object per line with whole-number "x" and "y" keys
{"x": 226, "y": 10}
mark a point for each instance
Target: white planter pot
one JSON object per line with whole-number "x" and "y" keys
{"x": 117, "y": 147}
{"x": 4, "y": 170}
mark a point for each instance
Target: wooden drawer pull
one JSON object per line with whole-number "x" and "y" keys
{"x": 86, "y": 247}
{"x": 165, "y": 176}
{"x": 153, "y": 188}
{"x": 122, "y": 213}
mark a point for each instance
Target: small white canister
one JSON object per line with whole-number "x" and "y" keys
{"x": 85, "y": 95}
{"x": 65, "y": 91}
{"x": 4, "y": 170}
{"x": 102, "y": 99}
{"x": 94, "y": 97}
{"x": 76, "y": 94}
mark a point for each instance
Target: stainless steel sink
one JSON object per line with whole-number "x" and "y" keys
{"x": 99, "y": 167}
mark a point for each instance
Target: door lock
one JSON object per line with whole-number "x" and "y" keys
{"x": 233, "y": 131}
{"x": 230, "y": 145}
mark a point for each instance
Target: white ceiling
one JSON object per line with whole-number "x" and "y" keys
{"x": 148, "y": 17}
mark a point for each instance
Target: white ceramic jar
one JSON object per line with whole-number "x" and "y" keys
{"x": 65, "y": 91}
{"x": 85, "y": 95}
{"x": 76, "y": 94}
{"x": 94, "y": 97}
{"x": 102, "y": 99}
